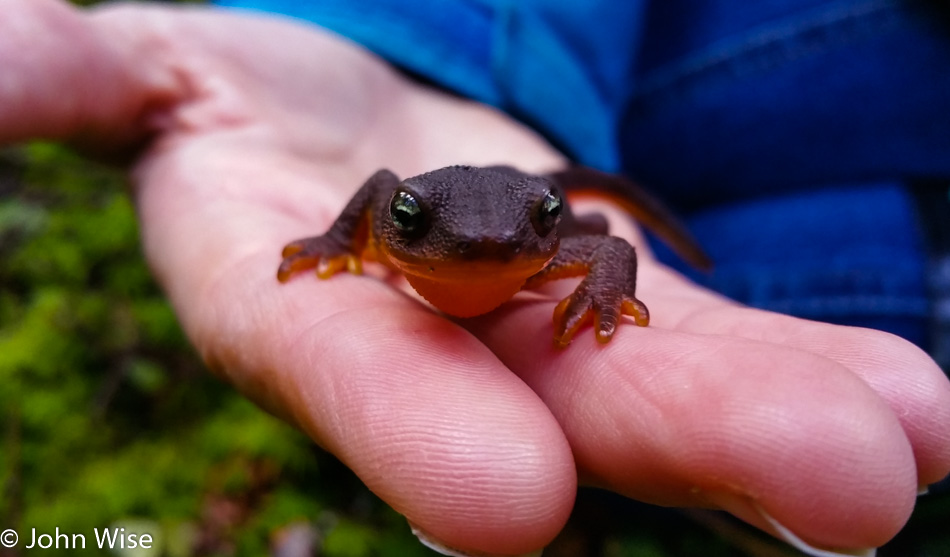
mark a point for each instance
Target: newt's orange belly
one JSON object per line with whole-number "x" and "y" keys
{"x": 468, "y": 298}
{"x": 468, "y": 288}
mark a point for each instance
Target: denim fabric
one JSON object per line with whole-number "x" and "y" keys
{"x": 767, "y": 96}
{"x": 851, "y": 255}
{"x": 784, "y": 130}
{"x": 788, "y": 129}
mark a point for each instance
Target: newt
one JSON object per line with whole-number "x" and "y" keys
{"x": 468, "y": 238}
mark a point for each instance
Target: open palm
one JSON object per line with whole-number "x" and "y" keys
{"x": 250, "y": 131}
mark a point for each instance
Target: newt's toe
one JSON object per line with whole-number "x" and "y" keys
{"x": 293, "y": 264}
{"x": 574, "y": 312}
{"x": 636, "y": 309}
{"x": 569, "y": 317}
{"x": 292, "y": 249}
{"x": 326, "y": 255}
{"x": 333, "y": 265}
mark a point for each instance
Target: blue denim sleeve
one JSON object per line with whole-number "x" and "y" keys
{"x": 787, "y": 131}
{"x": 803, "y": 135}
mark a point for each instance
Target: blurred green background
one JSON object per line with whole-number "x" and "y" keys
{"x": 109, "y": 419}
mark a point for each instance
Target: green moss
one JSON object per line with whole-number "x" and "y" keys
{"x": 348, "y": 539}
{"x": 108, "y": 417}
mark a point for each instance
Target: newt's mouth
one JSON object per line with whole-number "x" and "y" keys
{"x": 471, "y": 271}
{"x": 474, "y": 266}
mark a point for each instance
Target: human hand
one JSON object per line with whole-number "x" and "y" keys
{"x": 477, "y": 431}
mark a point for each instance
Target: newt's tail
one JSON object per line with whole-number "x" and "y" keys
{"x": 640, "y": 204}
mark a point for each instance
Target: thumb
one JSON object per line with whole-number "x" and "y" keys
{"x": 66, "y": 76}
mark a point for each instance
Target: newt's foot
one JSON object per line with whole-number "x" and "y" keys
{"x": 320, "y": 252}
{"x": 605, "y": 309}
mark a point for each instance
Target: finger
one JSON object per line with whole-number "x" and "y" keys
{"x": 63, "y": 78}
{"x": 422, "y": 412}
{"x": 908, "y": 380}
{"x": 689, "y": 419}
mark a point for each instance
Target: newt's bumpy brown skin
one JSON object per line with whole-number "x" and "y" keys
{"x": 468, "y": 238}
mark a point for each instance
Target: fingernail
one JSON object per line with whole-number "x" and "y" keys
{"x": 439, "y": 547}
{"x": 744, "y": 507}
{"x": 791, "y": 539}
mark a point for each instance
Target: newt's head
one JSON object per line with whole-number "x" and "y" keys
{"x": 467, "y": 238}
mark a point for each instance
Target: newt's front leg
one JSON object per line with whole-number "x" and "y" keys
{"x": 343, "y": 245}
{"x": 606, "y": 293}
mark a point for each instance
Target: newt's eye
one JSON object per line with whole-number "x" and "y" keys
{"x": 547, "y": 213}
{"x": 406, "y": 213}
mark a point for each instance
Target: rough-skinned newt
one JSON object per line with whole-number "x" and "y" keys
{"x": 468, "y": 238}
